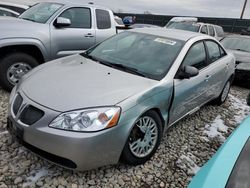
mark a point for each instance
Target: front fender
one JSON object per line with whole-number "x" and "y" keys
{"x": 7, "y": 42}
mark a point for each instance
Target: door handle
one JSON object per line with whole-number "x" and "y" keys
{"x": 89, "y": 35}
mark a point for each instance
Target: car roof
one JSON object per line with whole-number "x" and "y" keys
{"x": 69, "y": 4}
{"x": 169, "y": 33}
{"x": 14, "y": 4}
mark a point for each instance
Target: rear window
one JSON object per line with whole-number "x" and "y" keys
{"x": 237, "y": 43}
{"x": 204, "y": 29}
{"x": 103, "y": 19}
{"x": 211, "y": 30}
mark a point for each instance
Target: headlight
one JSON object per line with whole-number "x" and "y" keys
{"x": 88, "y": 120}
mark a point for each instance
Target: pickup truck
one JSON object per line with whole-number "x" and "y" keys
{"x": 48, "y": 31}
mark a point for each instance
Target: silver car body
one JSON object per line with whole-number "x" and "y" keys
{"x": 53, "y": 93}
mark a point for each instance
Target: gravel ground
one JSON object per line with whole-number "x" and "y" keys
{"x": 186, "y": 147}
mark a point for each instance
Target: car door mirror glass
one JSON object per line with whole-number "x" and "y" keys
{"x": 62, "y": 22}
{"x": 188, "y": 72}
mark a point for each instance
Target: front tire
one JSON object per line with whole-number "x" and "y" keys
{"x": 143, "y": 140}
{"x": 13, "y": 66}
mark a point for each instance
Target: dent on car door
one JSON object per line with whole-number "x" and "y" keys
{"x": 218, "y": 67}
{"x": 78, "y": 36}
{"x": 190, "y": 94}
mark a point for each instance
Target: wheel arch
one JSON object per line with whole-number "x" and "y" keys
{"x": 31, "y": 47}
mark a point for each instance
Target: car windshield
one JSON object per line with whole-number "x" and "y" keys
{"x": 188, "y": 26}
{"x": 143, "y": 54}
{"x": 234, "y": 43}
{"x": 41, "y": 12}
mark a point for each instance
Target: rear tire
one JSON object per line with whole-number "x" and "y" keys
{"x": 13, "y": 66}
{"x": 224, "y": 94}
{"x": 147, "y": 141}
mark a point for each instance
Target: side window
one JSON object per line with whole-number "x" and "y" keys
{"x": 204, "y": 29}
{"x": 196, "y": 56}
{"x": 211, "y": 30}
{"x": 214, "y": 51}
{"x": 222, "y": 52}
{"x": 219, "y": 31}
{"x": 103, "y": 19}
{"x": 79, "y": 17}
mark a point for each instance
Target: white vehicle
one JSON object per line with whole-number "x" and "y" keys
{"x": 181, "y": 19}
{"x": 204, "y": 28}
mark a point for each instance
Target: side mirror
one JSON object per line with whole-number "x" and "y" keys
{"x": 188, "y": 72}
{"x": 248, "y": 100}
{"x": 62, "y": 22}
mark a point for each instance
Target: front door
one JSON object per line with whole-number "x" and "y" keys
{"x": 190, "y": 94}
{"x": 77, "y": 37}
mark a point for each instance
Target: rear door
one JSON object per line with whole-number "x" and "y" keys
{"x": 190, "y": 94}
{"x": 79, "y": 36}
{"x": 218, "y": 67}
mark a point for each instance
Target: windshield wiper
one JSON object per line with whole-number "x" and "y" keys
{"x": 241, "y": 50}
{"x": 28, "y": 19}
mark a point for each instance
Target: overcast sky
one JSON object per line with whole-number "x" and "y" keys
{"x": 205, "y": 8}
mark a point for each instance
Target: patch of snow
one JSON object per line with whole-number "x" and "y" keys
{"x": 216, "y": 128}
{"x": 242, "y": 110}
{"x": 35, "y": 175}
{"x": 187, "y": 162}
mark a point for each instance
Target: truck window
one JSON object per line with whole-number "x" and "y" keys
{"x": 211, "y": 30}
{"x": 204, "y": 29}
{"x": 103, "y": 19}
{"x": 79, "y": 17}
{"x": 219, "y": 31}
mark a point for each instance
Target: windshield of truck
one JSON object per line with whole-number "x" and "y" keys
{"x": 41, "y": 12}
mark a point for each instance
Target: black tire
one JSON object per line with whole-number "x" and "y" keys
{"x": 10, "y": 60}
{"x": 128, "y": 157}
{"x": 220, "y": 100}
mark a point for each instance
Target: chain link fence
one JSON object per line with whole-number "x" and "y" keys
{"x": 231, "y": 25}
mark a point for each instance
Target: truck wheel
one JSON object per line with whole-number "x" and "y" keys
{"x": 13, "y": 66}
{"x": 143, "y": 139}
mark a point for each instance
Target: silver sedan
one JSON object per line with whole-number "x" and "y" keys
{"x": 115, "y": 101}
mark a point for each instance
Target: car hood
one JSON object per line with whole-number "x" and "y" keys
{"x": 243, "y": 57}
{"x": 75, "y": 82}
{"x": 15, "y": 27}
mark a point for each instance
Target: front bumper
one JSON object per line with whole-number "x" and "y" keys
{"x": 74, "y": 150}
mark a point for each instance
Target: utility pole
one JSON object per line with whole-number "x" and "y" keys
{"x": 243, "y": 9}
